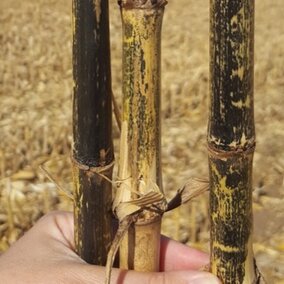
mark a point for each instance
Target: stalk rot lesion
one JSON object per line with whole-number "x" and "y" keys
{"x": 92, "y": 154}
{"x": 231, "y": 140}
{"x": 140, "y": 191}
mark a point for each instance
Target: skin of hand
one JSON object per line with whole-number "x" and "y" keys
{"x": 45, "y": 255}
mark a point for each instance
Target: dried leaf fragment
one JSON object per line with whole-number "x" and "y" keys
{"x": 193, "y": 188}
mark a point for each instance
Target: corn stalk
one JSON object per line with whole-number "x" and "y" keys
{"x": 231, "y": 140}
{"x": 140, "y": 183}
{"x": 92, "y": 127}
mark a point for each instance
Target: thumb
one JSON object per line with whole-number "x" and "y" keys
{"x": 96, "y": 274}
{"x": 175, "y": 277}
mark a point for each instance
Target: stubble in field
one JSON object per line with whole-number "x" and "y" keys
{"x": 35, "y": 117}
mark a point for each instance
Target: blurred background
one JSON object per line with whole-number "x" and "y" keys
{"x": 35, "y": 117}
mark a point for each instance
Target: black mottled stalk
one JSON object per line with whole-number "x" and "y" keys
{"x": 231, "y": 139}
{"x": 92, "y": 130}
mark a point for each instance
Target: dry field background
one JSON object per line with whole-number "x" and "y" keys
{"x": 35, "y": 117}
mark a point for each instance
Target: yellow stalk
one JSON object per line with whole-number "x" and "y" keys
{"x": 139, "y": 167}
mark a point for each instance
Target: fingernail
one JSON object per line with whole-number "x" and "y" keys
{"x": 208, "y": 279}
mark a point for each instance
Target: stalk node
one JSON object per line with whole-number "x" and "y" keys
{"x": 142, "y": 4}
{"x": 215, "y": 152}
{"x": 101, "y": 170}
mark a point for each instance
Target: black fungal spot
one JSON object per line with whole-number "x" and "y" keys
{"x": 128, "y": 30}
{"x": 228, "y": 122}
{"x": 232, "y": 180}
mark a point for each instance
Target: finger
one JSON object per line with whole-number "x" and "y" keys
{"x": 59, "y": 225}
{"x": 95, "y": 274}
{"x": 173, "y": 255}
{"x": 52, "y": 235}
{"x": 176, "y": 256}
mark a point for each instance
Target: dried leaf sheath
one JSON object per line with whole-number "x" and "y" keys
{"x": 139, "y": 166}
{"x": 92, "y": 126}
{"x": 231, "y": 140}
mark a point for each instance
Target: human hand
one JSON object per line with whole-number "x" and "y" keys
{"x": 45, "y": 255}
